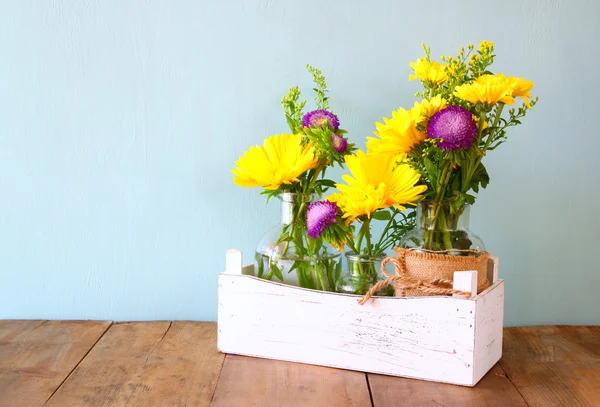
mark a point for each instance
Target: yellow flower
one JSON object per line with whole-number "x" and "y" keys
{"x": 522, "y": 89}
{"x": 280, "y": 160}
{"x": 396, "y": 135}
{"x": 376, "y": 183}
{"x": 485, "y": 45}
{"x": 429, "y": 71}
{"x": 488, "y": 89}
{"x": 422, "y": 112}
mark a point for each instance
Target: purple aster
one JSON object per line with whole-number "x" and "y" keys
{"x": 318, "y": 216}
{"x": 455, "y": 126}
{"x": 319, "y": 118}
{"x": 339, "y": 143}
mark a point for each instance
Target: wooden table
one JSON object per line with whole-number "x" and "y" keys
{"x": 99, "y": 363}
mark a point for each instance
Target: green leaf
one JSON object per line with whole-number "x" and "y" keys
{"x": 318, "y": 245}
{"x": 293, "y": 267}
{"x": 326, "y": 183}
{"x": 382, "y": 215}
{"x": 277, "y": 272}
{"x": 261, "y": 267}
{"x": 480, "y": 177}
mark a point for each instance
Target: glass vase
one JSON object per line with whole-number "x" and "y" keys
{"x": 286, "y": 253}
{"x": 443, "y": 226}
{"x": 364, "y": 271}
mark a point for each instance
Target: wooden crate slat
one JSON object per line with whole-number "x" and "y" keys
{"x": 249, "y": 381}
{"x": 146, "y": 364}
{"x": 494, "y": 390}
{"x": 489, "y": 322}
{"x": 35, "y": 357}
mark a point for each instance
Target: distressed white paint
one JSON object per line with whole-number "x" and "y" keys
{"x": 465, "y": 281}
{"x": 443, "y": 339}
{"x": 489, "y": 320}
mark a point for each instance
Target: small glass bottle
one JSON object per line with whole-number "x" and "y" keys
{"x": 286, "y": 252}
{"x": 364, "y": 271}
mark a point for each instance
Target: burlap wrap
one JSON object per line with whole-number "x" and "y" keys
{"x": 431, "y": 266}
{"x": 424, "y": 272}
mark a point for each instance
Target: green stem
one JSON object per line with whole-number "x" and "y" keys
{"x": 367, "y": 227}
{"x": 492, "y": 131}
{"x": 437, "y": 202}
{"x": 378, "y": 248}
{"x": 351, "y": 245}
{"x": 471, "y": 170}
{"x": 359, "y": 240}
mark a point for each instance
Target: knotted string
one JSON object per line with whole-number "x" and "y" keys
{"x": 402, "y": 281}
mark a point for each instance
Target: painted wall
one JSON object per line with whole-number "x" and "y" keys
{"x": 120, "y": 120}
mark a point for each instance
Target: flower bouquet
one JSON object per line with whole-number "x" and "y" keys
{"x": 292, "y": 167}
{"x": 376, "y": 189}
{"x": 445, "y": 137}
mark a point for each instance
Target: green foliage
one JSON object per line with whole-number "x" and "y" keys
{"x": 292, "y": 108}
{"x": 466, "y": 175}
{"x": 399, "y": 224}
{"x": 321, "y": 88}
{"x": 321, "y": 137}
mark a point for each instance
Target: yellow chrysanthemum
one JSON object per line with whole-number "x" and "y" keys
{"x": 396, "y": 135}
{"x": 488, "y": 89}
{"x": 429, "y": 71}
{"x": 423, "y": 111}
{"x": 280, "y": 160}
{"x": 376, "y": 183}
{"x": 522, "y": 88}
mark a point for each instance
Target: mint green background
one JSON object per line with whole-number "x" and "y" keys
{"x": 120, "y": 120}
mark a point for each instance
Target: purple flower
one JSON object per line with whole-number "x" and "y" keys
{"x": 319, "y": 118}
{"x": 455, "y": 126}
{"x": 339, "y": 143}
{"x": 318, "y": 216}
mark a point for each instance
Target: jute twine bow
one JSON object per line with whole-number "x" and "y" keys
{"x": 402, "y": 281}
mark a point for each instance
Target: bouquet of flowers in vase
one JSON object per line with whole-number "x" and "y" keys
{"x": 445, "y": 137}
{"x": 292, "y": 167}
{"x": 376, "y": 189}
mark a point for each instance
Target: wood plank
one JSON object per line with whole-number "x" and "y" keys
{"x": 147, "y": 364}
{"x": 494, "y": 390}
{"x": 10, "y": 330}
{"x": 554, "y": 365}
{"x": 249, "y": 381}
{"x": 37, "y": 356}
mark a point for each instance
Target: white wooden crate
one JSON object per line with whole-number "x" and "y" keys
{"x": 444, "y": 339}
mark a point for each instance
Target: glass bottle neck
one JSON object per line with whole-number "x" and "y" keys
{"x": 292, "y": 203}
{"x": 435, "y": 215}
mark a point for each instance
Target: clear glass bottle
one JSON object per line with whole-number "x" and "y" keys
{"x": 364, "y": 271}
{"x": 444, "y": 227}
{"x": 286, "y": 252}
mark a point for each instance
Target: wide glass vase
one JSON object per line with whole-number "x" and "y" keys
{"x": 364, "y": 271}
{"x": 443, "y": 226}
{"x": 286, "y": 253}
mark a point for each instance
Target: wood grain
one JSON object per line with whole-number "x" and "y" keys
{"x": 494, "y": 390}
{"x": 250, "y": 382}
{"x": 147, "y": 364}
{"x": 37, "y": 356}
{"x": 554, "y": 365}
